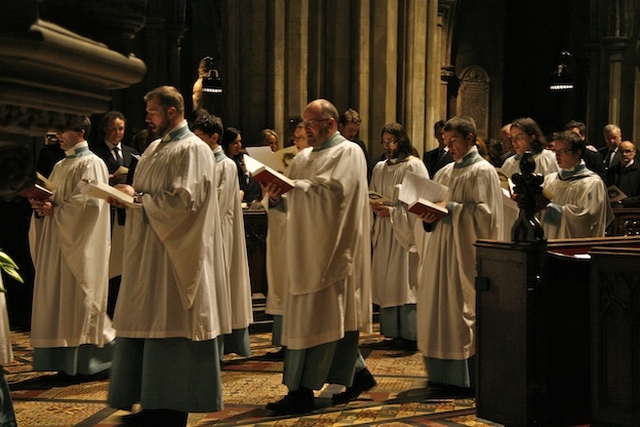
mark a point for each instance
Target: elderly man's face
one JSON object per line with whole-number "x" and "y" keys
{"x": 613, "y": 139}
{"x": 628, "y": 151}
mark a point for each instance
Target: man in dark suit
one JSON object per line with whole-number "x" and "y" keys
{"x": 592, "y": 158}
{"x": 112, "y": 150}
{"x": 610, "y": 155}
{"x": 115, "y": 154}
{"x": 626, "y": 176}
{"x": 435, "y": 159}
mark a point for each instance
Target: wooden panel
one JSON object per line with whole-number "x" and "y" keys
{"x": 533, "y": 329}
{"x": 615, "y": 326}
{"x": 255, "y": 227}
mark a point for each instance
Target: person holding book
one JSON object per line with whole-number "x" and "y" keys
{"x": 209, "y": 129}
{"x": 525, "y": 136}
{"x": 276, "y": 264}
{"x": 120, "y": 160}
{"x": 70, "y": 329}
{"x": 116, "y": 155}
{"x": 580, "y": 205}
{"x": 446, "y": 296}
{"x": 327, "y": 299}
{"x": 392, "y": 238}
{"x": 173, "y": 303}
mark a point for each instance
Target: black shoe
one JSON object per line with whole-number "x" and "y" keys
{"x": 295, "y": 402}
{"x": 362, "y": 381}
{"x": 155, "y": 418}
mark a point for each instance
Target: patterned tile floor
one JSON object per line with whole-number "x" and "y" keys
{"x": 42, "y": 399}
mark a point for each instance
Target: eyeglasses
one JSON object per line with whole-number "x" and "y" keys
{"x": 313, "y": 122}
{"x": 558, "y": 152}
{"x": 393, "y": 141}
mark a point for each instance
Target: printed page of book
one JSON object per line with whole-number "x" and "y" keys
{"x": 416, "y": 187}
{"x": 105, "y": 191}
{"x": 265, "y": 156}
{"x": 265, "y": 174}
{"x": 43, "y": 181}
{"x": 286, "y": 155}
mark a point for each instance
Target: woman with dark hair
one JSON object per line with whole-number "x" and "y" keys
{"x": 394, "y": 289}
{"x": 525, "y": 136}
{"x": 232, "y": 146}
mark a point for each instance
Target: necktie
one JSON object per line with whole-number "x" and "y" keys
{"x": 116, "y": 152}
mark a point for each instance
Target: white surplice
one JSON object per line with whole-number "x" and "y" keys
{"x": 395, "y": 259}
{"x": 72, "y": 259}
{"x": 583, "y": 202}
{"x": 173, "y": 278}
{"x": 446, "y": 296}
{"x": 327, "y": 246}
{"x": 234, "y": 241}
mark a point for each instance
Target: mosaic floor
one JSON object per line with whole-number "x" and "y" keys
{"x": 44, "y": 399}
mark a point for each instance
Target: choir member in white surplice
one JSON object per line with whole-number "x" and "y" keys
{"x": 209, "y": 129}
{"x": 276, "y": 263}
{"x": 525, "y": 136}
{"x": 70, "y": 330}
{"x": 447, "y": 297}
{"x": 173, "y": 303}
{"x": 580, "y": 205}
{"x": 395, "y": 259}
{"x": 327, "y": 246}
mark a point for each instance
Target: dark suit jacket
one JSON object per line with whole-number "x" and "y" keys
{"x": 434, "y": 162}
{"x": 628, "y": 180}
{"x": 102, "y": 150}
{"x": 594, "y": 162}
{"x": 615, "y": 163}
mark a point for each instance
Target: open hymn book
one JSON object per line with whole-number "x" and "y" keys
{"x": 421, "y": 195}
{"x": 105, "y": 191}
{"x": 119, "y": 176}
{"x": 266, "y": 175}
{"x": 42, "y": 189}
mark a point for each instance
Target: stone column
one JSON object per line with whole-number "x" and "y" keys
{"x": 296, "y": 58}
{"x": 384, "y": 69}
{"x": 434, "y": 83}
{"x": 616, "y": 46}
{"x": 418, "y": 82}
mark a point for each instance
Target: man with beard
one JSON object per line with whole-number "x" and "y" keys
{"x": 173, "y": 302}
{"x": 327, "y": 299}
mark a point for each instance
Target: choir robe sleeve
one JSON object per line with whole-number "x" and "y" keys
{"x": 179, "y": 218}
